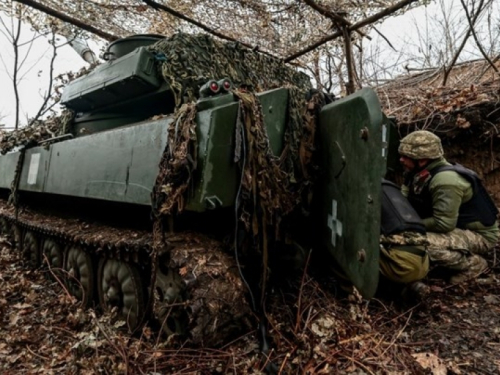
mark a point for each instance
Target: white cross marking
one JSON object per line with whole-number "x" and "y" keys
{"x": 334, "y": 224}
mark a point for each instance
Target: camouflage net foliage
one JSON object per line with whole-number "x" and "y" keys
{"x": 279, "y": 182}
{"x": 271, "y": 186}
{"x": 55, "y": 125}
{"x": 37, "y": 131}
{"x": 193, "y": 59}
{"x": 177, "y": 163}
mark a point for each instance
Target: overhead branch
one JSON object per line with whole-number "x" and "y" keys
{"x": 335, "y": 17}
{"x": 353, "y": 27}
{"x": 173, "y": 12}
{"x": 68, "y": 19}
{"x": 327, "y": 13}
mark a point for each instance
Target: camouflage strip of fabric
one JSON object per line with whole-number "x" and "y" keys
{"x": 177, "y": 164}
{"x": 405, "y": 239}
{"x": 190, "y": 60}
{"x": 269, "y": 191}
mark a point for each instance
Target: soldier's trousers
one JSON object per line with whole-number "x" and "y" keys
{"x": 452, "y": 249}
{"x": 403, "y": 258}
{"x": 404, "y": 264}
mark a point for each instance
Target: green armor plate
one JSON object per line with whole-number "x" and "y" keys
{"x": 353, "y": 161}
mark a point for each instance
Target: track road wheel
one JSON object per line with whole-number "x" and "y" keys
{"x": 52, "y": 256}
{"x": 4, "y": 227}
{"x": 169, "y": 309}
{"x": 31, "y": 248}
{"x": 80, "y": 274}
{"x": 120, "y": 286}
{"x": 17, "y": 236}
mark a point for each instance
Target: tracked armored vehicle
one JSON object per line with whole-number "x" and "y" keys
{"x": 184, "y": 160}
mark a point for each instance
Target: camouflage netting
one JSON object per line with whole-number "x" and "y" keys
{"x": 187, "y": 61}
{"x": 271, "y": 186}
{"x": 36, "y": 132}
{"x": 52, "y": 126}
{"x": 177, "y": 163}
{"x": 193, "y": 59}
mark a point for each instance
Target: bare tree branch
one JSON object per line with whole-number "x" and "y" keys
{"x": 341, "y": 21}
{"x": 479, "y": 45}
{"x": 34, "y": 38}
{"x": 68, "y": 19}
{"x": 43, "y": 107}
{"x": 353, "y": 27}
{"x": 325, "y": 12}
{"x": 383, "y": 37}
{"x": 448, "y": 69}
{"x": 30, "y": 46}
{"x": 177, "y": 14}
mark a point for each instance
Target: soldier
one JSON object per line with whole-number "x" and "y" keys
{"x": 457, "y": 212}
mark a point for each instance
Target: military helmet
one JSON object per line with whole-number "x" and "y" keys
{"x": 421, "y": 144}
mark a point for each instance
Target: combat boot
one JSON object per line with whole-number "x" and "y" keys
{"x": 475, "y": 266}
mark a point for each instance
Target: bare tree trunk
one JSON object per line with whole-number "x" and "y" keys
{"x": 20, "y": 57}
{"x": 348, "y": 60}
{"x": 15, "y": 45}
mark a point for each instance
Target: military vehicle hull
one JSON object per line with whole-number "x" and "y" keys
{"x": 81, "y": 206}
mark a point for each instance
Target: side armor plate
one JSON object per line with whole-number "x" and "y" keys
{"x": 352, "y": 164}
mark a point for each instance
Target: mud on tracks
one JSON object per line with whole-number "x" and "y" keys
{"x": 312, "y": 330}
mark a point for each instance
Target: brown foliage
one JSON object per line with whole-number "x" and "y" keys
{"x": 311, "y": 331}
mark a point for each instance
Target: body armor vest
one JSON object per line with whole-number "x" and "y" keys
{"x": 398, "y": 215}
{"x": 479, "y": 208}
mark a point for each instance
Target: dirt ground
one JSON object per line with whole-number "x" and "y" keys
{"x": 312, "y": 329}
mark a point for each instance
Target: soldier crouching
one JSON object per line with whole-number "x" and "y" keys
{"x": 459, "y": 215}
